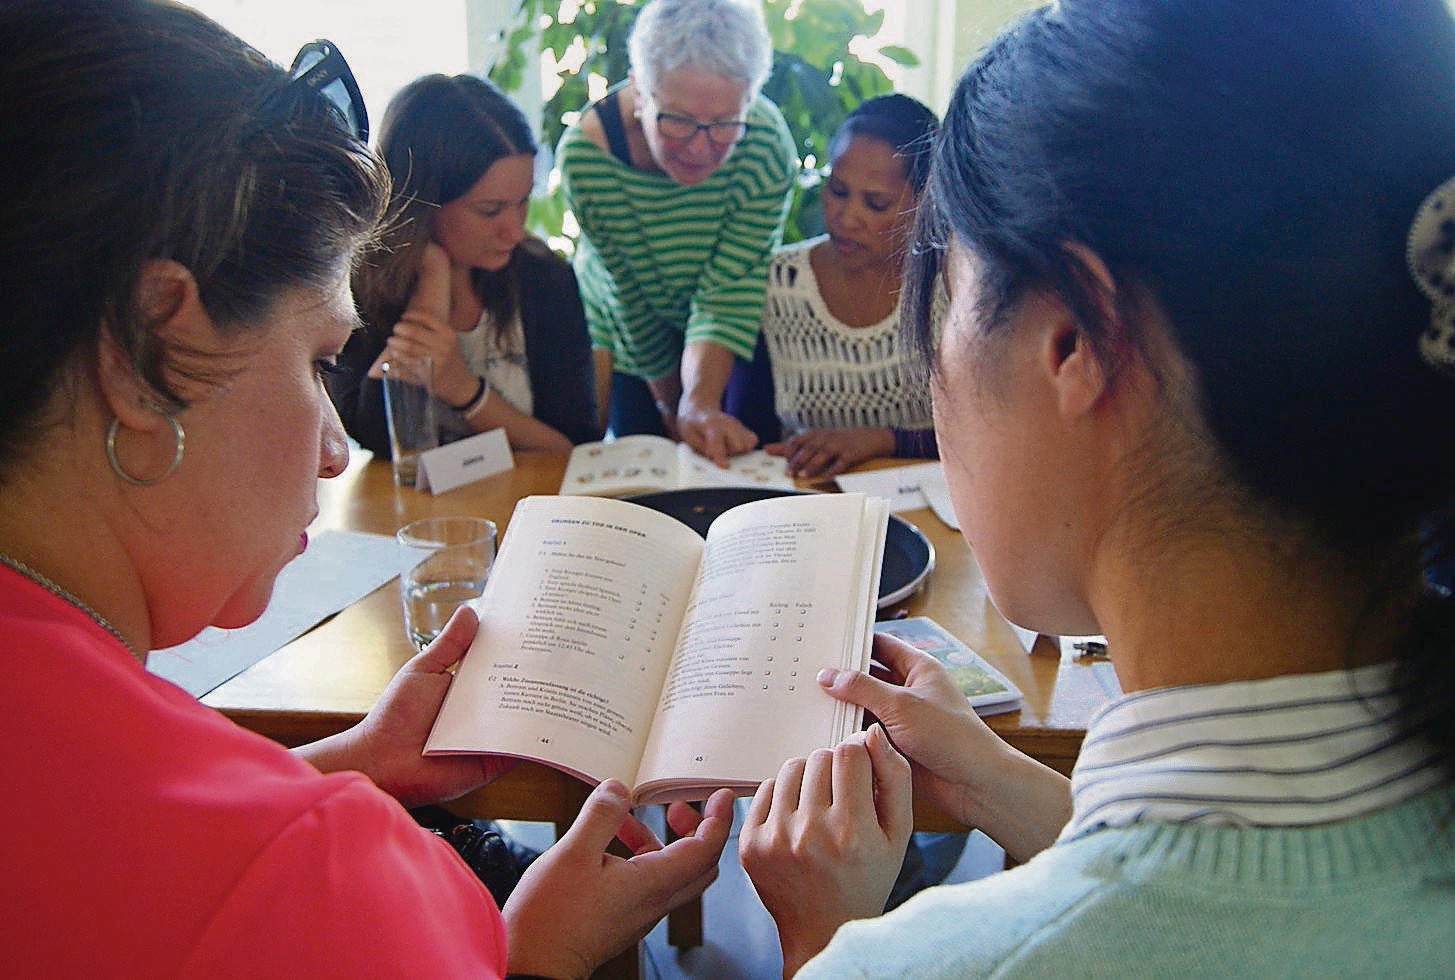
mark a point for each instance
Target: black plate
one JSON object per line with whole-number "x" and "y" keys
{"x": 908, "y": 555}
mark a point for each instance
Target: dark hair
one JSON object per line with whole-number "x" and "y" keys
{"x": 440, "y": 135}
{"x": 906, "y": 124}
{"x": 136, "y": 131}
{"x": 1253, "y": 169}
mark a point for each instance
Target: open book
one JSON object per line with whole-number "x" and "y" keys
{"x": 988, "y": 690}
{"x": 641, "y": 464}
{"x": 616, "y": 643}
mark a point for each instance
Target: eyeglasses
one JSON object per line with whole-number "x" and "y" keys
{"x": 684, "y": 128}
{"x": 320, "y": 67}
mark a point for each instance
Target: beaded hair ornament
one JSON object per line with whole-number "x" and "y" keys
{"x": 1431, "y": 256}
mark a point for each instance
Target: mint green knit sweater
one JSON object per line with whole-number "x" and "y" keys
{"x": 1372, "y": 896}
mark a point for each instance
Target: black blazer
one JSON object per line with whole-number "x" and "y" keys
{"x": 557, "y": 351}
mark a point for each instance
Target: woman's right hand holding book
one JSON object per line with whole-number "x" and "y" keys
{"x": 958, "y": 762}
{"x": 823, "y": 842}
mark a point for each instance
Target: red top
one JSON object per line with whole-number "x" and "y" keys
{"x": 144, "y": 834}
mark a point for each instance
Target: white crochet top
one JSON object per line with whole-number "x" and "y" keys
{"x": 827, "y": 374}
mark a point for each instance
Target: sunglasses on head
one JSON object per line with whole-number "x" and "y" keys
{"x": 320, "y": 67}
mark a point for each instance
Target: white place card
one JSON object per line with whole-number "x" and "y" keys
{"x": 937, "y": 492}
{"x": 902, "y": 486}
{"x": 458, "y": 463}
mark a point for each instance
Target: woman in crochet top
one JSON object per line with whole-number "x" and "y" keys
{"x": 842, "y": 387}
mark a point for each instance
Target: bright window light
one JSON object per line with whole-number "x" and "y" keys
{"x": 386, "y": 47}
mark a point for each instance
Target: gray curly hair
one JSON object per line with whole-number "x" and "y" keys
{"x": 724, "y": 37}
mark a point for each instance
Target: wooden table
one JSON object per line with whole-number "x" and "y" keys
{"x": 327, "y": 679}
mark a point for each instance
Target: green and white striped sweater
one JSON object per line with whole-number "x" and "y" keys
{"x": 661, "y": 264}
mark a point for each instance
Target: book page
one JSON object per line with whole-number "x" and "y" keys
{"x": 787, "y": 587}
{"x": 752, "y": 469}
{"x": 577, "y": 626}
{"x": 630, "y": 464}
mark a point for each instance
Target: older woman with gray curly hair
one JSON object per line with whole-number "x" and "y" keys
{"x": 679, "y": 178}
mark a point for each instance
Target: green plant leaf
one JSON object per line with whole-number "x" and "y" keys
{"x": 900, "y": 55}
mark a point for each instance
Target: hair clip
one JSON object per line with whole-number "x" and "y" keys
{"x": 1430, "y": 253}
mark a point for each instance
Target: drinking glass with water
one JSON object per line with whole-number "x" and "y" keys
{"x": 443, "y": 562}
{"x": 409, "y": 411}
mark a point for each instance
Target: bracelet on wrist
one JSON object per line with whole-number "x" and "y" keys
{"x": 478, "y": 402}
{"x": 468, "y": 403}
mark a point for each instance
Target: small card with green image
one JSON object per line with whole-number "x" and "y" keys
{"x": 987, "y": 689}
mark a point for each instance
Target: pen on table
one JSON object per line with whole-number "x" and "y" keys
{"x": 1090, "y": 648}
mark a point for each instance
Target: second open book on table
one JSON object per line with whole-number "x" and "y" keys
{"x": 646, "y": 463}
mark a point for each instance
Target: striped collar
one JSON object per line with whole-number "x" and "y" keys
{"x": 1283, "y": 752}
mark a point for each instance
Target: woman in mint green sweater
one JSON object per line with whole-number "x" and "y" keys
{"x": 1195, "y": 392}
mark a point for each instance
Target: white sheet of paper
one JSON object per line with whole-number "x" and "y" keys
{"x": 902, "y": 486}
{"x": 465, "y": 461}
{"x": 1106, "y": 676}
{"x": 338, "y": 569}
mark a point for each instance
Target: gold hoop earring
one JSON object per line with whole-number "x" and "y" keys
{"x": 177, "y": 433}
